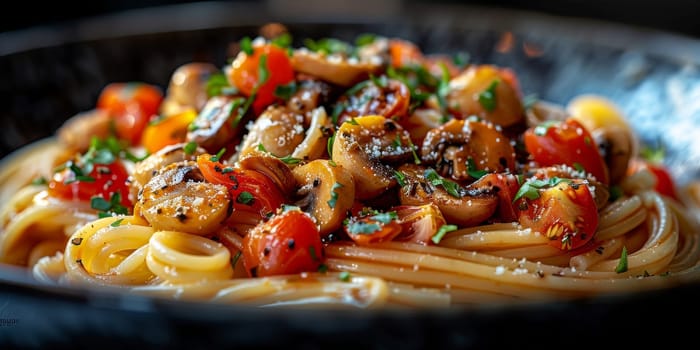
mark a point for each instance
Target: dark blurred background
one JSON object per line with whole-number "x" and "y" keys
{"x": 672, "y": 15}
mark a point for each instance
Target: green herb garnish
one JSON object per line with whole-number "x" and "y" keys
{"x": 286, "y": 92}
{"x": 245, "y": 197}
{"x": 442, "y": 231}
{"x": 217, "y": 157}
{"x": 622, "y": 265}
{"x": 344, "y": 276}
{"x": 247, "y": 45}
{"x": 530, "y": 188}
{"x": 541, "y": 129}
{"x": 334, "y": 194}
{"x": 473, "y": 171}
{"x": 451, "y": 187}
{"x": 400, "y": 178}
{"x": 487, "y": 98}
{"x": 190, "y": 147}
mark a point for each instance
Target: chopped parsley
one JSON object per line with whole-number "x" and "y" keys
{"x": 579, "y": 167}
{"x": 530, "y": 188}
{"x": 288, "y": 159}
{"x": 413, "y": 151}
{"x": 322, "y": 268}
{"x": 363, "y": 228}
{"x": 217, "y": 157}
{"x": 451, "y": 187}
{"x": 461, "y": 59}
{"x": 190, "y": 148}
{"x": 487, "y": 98}
{"x": 400, "y": 178}
{"x": 443, "y": 88}
{"x": 235, "y": 259}
{"x": 247, "y": 45}
{"x": 116, "y": 223}
{"x": 334, "y": 194}
{"x": 329, "y": 146}
{"x": 442, "y": 231}
{"x": 329, "y": 46}
{"x": 344, "y": 276}
{"x": 365, "y": 39}
{"x": 385, "y": 218}
{"x": 337, "y": 109}
{"x": 286, "y": 92}
{"x": 108, "y": 208}
{"x": 542, "y": 129}
{"x": 380, "y": 81}
{"x": 622, "y": 265}
{"x": 218, "y": 84}
{"x": 39, "y": 181}
{"x": 312, "y": 253}
{"x": 284, "y": 40}
{"x": 473, "y": 171}
{"x": 245, "y": 197}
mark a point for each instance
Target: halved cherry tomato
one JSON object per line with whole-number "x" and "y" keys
{"x": 377, "y": 228}
{"x": 567, "y": 143}
{"x": 168, "y": 131}
{"x": 419, "y": 223}
{"x": 390, "y": 100}
{"x": 404, "y": 53}
{"x": 664, "y": 181}
{"x": 131, "y": 105}
{"x": 246, "y": 71}
{"x": 104, "y": 181}
{"x": 565, "y": 213}
{"x": 288, "y": 243}
{"x": 506, "y": 187}
{"x": 250, "y": 190}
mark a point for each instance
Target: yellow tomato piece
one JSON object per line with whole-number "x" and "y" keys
{"x": 168, "y": 131}
{"x": 595, "y": 112}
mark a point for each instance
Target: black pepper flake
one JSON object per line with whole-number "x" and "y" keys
{"x": 181, "y": 216}
{"x": 159, "y": 211}
{"x": 316, "y": 182}
{"x": 266, "y": 251}
{"x": 77, "y": 240}
{"x": 79, "y": 262}
{"x": 600, "y": 250}
{"x": 254, "y": 272}
{"x": 540, "y": 273}
{"x": 290, "y": 244}
{"x": 217, "y": 168}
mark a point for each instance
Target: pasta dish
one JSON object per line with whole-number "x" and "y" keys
{"x": 361, "y": 174}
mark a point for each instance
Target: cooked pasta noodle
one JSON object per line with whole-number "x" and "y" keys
{"x": 458, "y": 218}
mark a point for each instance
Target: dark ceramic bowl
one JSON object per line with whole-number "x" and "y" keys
{"x": 51, "y": 73}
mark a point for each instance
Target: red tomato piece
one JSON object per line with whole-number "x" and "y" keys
{"x": 104, "y": 180}
{"x": 381, "y": 227}
{"x": 568, "y": 143}
{"x": 288, "y": 243}
{"x": 565, "y": 213}
{"x": 664, "y": 181}
{"x": 250, "y": 190}
{"x": 131, "y": 105}
{"x": 245, "y": 74}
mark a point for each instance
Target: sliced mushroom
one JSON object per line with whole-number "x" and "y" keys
{"x": 310, "y": 95}
{"x": 472, "y": 206}
{"x": 178, "y": 199}
{"x": 420, "y": 122}
{"x": 274, "y": 169}
{"x": 457, "y": 143}
{"x": 485, "y": 91}
{"x": 188, "y": 85}
{"x": 368, "y": 147}
{"x": 147, "y": 168}
{"x": 216, "y": 125}
{"x": 617, "y": 146}
{"x": 542, "y": 111}
{"x": 334, "y": 68}
{"x": 327, "y": 191}
{"x": 72, "y": 133}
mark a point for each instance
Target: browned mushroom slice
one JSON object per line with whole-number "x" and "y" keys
{"x": 542, "y": 111}
{"x": 367, "y": 147}
{"x": 217, "y": 125}
{"x": 274, "y": 169}
{"x": 72, "y": 133}
{"x": 459, "y": 147}
{"x": 327, "y": 191}
{"x": 485, "y": 91}
{"x": 617, "y": 146}
{"x": 309, "y": 95}
{"x": 149, "y": 167}
{"x": 334, "y": 68}
{"x": 462, "y": 206}
{"x": 188, "y": 85}
{"x": 177, "y": 198}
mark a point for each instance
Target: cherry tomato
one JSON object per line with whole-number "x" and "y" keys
{"x": 381, "y": 227}
{"x": 565, "y": 213}
{"x": 245, "y": 74}
{"x": 507, "y": 187}
{"x": 404, "y": 53}
{"x": 567, "y": 143}
{"x": 664, "y": 181}
{"x": 131, "y": 105}
{"x": 104, "y": 180}
{"x": 250, "y": 190}
{"x": 288, "y": 243}
{"x": 168, "y": 131}
{"x": 390, "y": 100}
